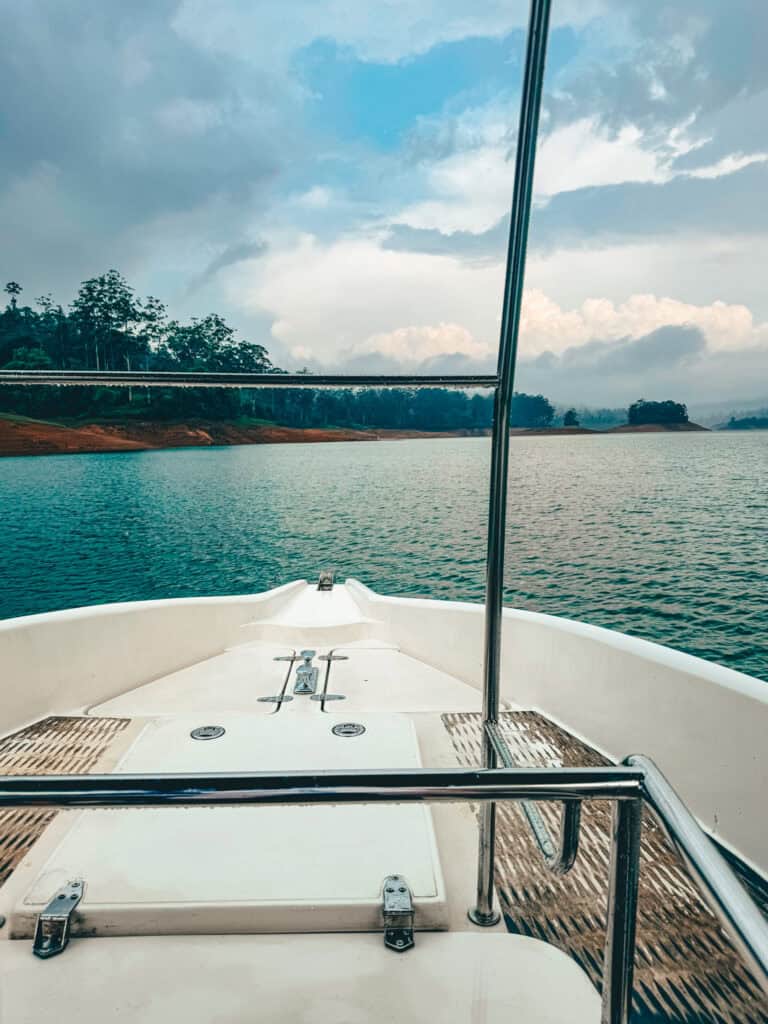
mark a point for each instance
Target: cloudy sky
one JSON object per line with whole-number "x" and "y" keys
{"x": 334, "y": 177}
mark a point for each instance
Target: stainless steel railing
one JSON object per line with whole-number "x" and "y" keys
{"x": 559, "y": 859}
{"x": 525, "y": 161}
{"x": 627, "y": 785}
{"x": 725, "y": 895}
{"x": 192, "y": 379}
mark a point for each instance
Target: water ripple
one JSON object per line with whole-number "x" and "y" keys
{"x": 662, "y": 536}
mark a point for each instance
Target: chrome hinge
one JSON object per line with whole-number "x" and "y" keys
{"x": 397, "y": 910}
{"x": 52, "y": 928}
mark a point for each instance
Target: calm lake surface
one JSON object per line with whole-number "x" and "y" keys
{"x": 662, "y": 535}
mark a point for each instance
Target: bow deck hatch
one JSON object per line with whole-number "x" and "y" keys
{"x": 248, "y": 869}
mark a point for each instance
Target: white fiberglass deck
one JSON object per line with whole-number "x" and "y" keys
{"x": 197, "y": 894}
{"x": 374, "y": 677}
{"x": 298, "y": 979}
{"x": 209, "y": 901}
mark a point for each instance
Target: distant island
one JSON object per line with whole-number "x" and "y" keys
{"x": 747, "y": 423}
{"x": 107, "y": 327}
{"x": 651, "y": 417}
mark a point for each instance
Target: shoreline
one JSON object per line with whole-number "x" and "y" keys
{"x": 20, "y": 436}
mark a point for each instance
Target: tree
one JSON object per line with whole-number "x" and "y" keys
{"x": 19, "y": 325}
{"x": 106, "y": 316}
{"x": 531, "y": 411}
{"x": 13, "y": 289}
{"x": 209, "y": 344}
{"x": 571, "y": 419}
{"x": 747, "y": 423}
{"x": 152, "y": 328}
{"x": 29, "y": 359}
{"x": 601, "y": 419}
{"x": 481, "y": 411}
{"x": 642, "y": 412}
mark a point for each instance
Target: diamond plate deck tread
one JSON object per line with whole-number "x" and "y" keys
{"x": 63, "y": 745}
{"x": 686, "y": 971}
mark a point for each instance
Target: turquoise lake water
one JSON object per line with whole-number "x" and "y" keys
{"x": 663, "y": 535}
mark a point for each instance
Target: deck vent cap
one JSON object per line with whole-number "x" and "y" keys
{"x": 348, "y": 729}
{"x": 208, "y": 732}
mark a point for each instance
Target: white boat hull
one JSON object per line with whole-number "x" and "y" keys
{"x": 704, "y": 725}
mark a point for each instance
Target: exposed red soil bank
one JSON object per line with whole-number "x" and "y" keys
{"x": 35, "y": 437}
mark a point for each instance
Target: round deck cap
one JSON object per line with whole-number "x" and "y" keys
{"x": 348, "y": 729}
{"x": 208, "y": 732}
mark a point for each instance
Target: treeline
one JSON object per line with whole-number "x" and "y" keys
{"x": 595, "y": 419}
{"x": 642, "y": 412}
{"x": 747, "y": 423}
{"x": 108, "y": 327}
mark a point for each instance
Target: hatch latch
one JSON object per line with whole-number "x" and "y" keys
{"x": 52, "y": 928}
{"x": 397, "y": 911}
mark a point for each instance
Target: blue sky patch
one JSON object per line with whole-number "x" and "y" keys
{"x": 356, "y": 99}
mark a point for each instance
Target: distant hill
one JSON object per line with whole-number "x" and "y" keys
{"x": 746, "y": 423}
{"x": 717, "y": 414}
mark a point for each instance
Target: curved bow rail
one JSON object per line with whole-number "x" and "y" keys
{"x": 558, "y": 859}
{"x": 627, "y": 785}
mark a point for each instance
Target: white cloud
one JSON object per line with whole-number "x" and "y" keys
{"x": 729, "y": 164}
{"x": 579, "y": 155}
{"x": 268, "y": 32}
{"x": 546, "y": 326}
{"x": 328, "y": 299}
{"x": 352, "y": 299}
{"x": 418, "y": 344}
{"x": 472, "y": 188}
{"x": 470, "y": 192}
{"x": 697, "y": 270}
{"x": 183, "y": 116}
{"x": 316, "y": 198}
{"x": 134, "y": 65}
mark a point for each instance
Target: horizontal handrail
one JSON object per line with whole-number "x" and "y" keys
{"x": 451, "y": 785}
{"x": 191, "y": 379}
{"x": 725, "y": 895}
{"x": 628, "y": 785}
{"x": 561, "y": 858}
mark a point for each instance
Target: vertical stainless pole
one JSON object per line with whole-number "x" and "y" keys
{"x": 483, "y": 912}
{"x": 619, "y": 959}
